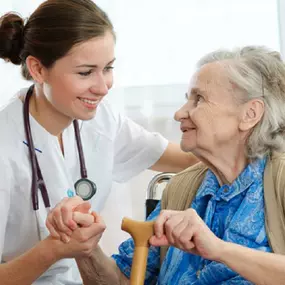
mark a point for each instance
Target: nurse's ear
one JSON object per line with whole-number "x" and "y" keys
{"x": 36, "y": 69}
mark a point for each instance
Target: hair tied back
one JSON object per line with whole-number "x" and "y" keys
{"x": 11, "y": 37}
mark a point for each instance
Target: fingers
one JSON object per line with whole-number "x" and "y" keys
{"x": 69, "y": 206}
{"x": 67, "y": 218}
{"x": 54, "y": 221}
{"x": 83, "y": 239}
{"x": 58, "y": 223}
{"x": 63, "y": 221}
{"x": 97, "y": 218}
{"x": 185, "y": 239}
{"x": 55, "y": 232}
{"x": 98, "y": 227}
{"x": 177, "y": 231}
{"x": 84, "y": 220}
{"x": 83, "y": 208}
{"x": 160, "y": 222}
{"x": 51, "y": 228}
{"x": 172, "y": 223}
{"x": 175, "y": 228}
{"x": 60, "y": 219}
{"x": 95, "y": 229}
{"x": 155, "y": 241}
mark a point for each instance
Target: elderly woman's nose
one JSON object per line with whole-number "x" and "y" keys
{"x": 181, "y": 114}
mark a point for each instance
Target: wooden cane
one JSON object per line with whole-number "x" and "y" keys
{"x": 141, "y": 233}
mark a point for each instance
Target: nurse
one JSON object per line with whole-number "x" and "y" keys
{"x": 69, "y": 140}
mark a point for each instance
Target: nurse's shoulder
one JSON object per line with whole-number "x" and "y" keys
{"x": 11, "y": 126}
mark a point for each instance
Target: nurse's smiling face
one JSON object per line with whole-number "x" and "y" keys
{"x": 77, "y": 82}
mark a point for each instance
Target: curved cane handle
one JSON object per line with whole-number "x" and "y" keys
{"x": 141, "y": 233}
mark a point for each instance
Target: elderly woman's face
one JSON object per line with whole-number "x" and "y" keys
{"x": 210, "y": 117}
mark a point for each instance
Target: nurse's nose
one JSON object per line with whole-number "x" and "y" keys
{"x": 181, "y": 114}
{"x": 100, "y": 85}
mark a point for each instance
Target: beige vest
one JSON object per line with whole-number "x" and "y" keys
{"x": 183, "y": 187}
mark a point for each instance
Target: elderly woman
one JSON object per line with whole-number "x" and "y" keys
{"x": 234, "y": 121}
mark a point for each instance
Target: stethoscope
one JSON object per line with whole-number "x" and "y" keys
{"x": 84, "y": 187}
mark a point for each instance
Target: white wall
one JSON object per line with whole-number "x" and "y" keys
{"x": 158, "y": 44}
{"x": 281, "y": 18}
{"x": 159, "y": 41}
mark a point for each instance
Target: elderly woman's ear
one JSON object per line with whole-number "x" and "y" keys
{"x": 251, "y": 113}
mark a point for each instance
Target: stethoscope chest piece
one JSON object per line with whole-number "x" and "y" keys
{"x": 85, "y": 188}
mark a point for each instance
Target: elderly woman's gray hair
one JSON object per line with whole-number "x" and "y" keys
{"x": 259, "y": 73}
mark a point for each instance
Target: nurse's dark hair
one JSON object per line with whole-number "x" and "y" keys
{"x": 51, "y": 31}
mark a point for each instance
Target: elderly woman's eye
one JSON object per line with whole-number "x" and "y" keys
{"x": 199, "y": 98}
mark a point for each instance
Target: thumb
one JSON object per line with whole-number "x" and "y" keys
{"x": 83, "y": 208}
{"x": 97, "y": 218}
{"x": 84, "y": 220}
{"x": 155, "y": 241}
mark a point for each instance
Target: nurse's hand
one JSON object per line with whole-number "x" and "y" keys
{"x": 67, "y": 216}
{"x": 82, "y": 241}
{"x": 188, "y": 232}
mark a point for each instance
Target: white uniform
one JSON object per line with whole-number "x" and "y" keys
{"x": 115, "y": 149}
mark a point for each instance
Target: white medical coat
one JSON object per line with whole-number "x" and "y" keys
{"x": 115, "y": 149}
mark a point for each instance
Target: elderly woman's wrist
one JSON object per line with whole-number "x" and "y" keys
{"x": 224, "y": 250}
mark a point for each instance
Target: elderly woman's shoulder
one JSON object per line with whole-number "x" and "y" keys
{"x": 278, "y": 157}
{"x": 196, "y": 168}
{"x": 191, "y": 174}
{"x": 277, "y": 163}
{"x": 183, "y": 186}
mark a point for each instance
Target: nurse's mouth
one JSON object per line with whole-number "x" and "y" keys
{"x": 88, "y": 103}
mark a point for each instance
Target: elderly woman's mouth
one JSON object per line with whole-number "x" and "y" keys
{"x": 186, "y": 129}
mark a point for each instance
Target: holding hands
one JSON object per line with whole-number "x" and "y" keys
{"x": 72, "y": 223}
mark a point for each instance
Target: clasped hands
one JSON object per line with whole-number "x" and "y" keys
{"x": 80, "y": 230}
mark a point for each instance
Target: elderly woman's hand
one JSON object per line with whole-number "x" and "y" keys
{"x": 188, "y": 232}
{"x": 82, "y": 241}
{"x": 67, "y": 216}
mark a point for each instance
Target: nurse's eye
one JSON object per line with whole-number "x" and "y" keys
{"x": 108, "y": 68}
{"x": 84, "y": 74}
